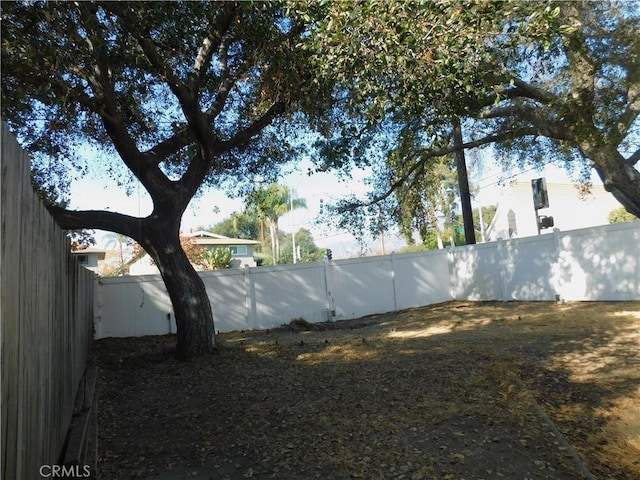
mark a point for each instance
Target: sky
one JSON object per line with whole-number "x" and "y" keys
{"x": 97, "y": 192}
{"x": 214, "y": 206}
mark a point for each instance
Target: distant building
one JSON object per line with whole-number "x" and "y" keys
{"x": 515, "y": 214}
{"x": 241, "y": 249}
{"x": 90, "y": 257}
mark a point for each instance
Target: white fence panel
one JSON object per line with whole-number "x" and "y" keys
{"x": 362, "y": 286}
{"x": 281, "y": 294}
{"x": 528, "y": 268}
{"x": 134, "y": 306}
{"x": 228, "y": 292}
{"x": 600, "y": 263}
{"x": 476, "y": 272}
{"x": 421, "y": 279}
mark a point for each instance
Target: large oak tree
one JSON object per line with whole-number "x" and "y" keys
{"x": 190, "y": 93}
{"x": 181, "y": 93}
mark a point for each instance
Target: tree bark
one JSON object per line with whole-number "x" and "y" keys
{"x": 191, "y": 305}
{"x": 159, "y": 235}
{"x": 620, "y": 178}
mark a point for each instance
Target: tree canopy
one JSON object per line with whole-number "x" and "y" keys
{"x": 176, "y": 95}
{"x": 540, "y": 81}
{"x": 181, "y": 94}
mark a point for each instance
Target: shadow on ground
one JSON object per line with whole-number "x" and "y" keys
{"x": 446, "y": 391}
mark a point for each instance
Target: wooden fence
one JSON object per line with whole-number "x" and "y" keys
{"x": 47, "y": 324}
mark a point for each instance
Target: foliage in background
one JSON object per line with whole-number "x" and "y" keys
{"x": 452, "y": 232}
{"x": 245, "y": 225}
{"x": 248, "y": 221}
{"x": 81, "y": 239}
{"x": 620, "y": 215}
{"x": 216, "y": 259}
{"x": 307, "y": 250}
{"x": 269, "y": 204}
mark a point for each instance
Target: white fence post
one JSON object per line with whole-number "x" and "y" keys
{"x": 250, "y": 298}
{"x": 502, "y": 256}
{"x": 328, "y": 288}
{"x": 453, "y": 280}
{"x": 558, "y": 254}
{"x": 393, "y": 281}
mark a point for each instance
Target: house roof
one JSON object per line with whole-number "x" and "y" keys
{"x": 204, "y": 234}
{"x": 95, "y": 250}
{"x": 90, "y": 250}
{"x": 202, "y": 237}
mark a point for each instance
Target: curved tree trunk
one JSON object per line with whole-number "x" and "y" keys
{"x": 159, "y": 235}
{"x": 191, "y": 305}
{"x": 620, "y": 178}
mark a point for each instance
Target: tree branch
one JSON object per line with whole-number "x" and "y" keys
{"x": 244, "y": 136}
{"x": 226, "y": 80}
{"x": 98, "y": 219}
{"x": 105, "y": 105}
{"x": 205, "y": 53}
{"x": 185, "y": 96}
{"x": 541, "y": 120}
{"x": 535, "y": 93}
{"x": 169, "y": 146}
{"x": 497, "y": 112}
{"x": 201, "y": 163}
{"x": 510, "y": 87}
{"x": 426, "y": 154}
{"x": 620, "y": 128}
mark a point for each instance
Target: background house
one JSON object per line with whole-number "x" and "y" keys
{"x": 90, "y": 257}
{"x": 241, "y": 249}
{"x": 515, "y": 215}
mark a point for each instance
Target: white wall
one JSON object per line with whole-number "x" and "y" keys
{"x": 568, "y": 210}
{"x": 600, "y": 263}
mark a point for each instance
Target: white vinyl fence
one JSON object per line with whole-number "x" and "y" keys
{"x": 600, "y": 263}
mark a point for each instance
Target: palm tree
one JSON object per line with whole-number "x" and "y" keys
{"x": 115, "y": 240}
{"x": 270, "y": 204}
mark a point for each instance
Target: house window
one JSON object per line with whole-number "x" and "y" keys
{"x": 83, "y": 259}
{"x": 237, "y": 250}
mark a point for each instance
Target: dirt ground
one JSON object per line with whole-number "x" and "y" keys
{"x": 459, "y": 390}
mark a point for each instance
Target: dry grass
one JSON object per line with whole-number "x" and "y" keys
{"x": 446, "y": 391}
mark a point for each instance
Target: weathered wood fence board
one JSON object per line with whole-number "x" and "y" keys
{"x": 47, "y": 323}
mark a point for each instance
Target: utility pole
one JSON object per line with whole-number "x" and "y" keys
{"x": 293, "y": 227}
{"x": 463, "y": 184}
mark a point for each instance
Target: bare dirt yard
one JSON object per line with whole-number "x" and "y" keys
{"x": 459, "y": 390}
